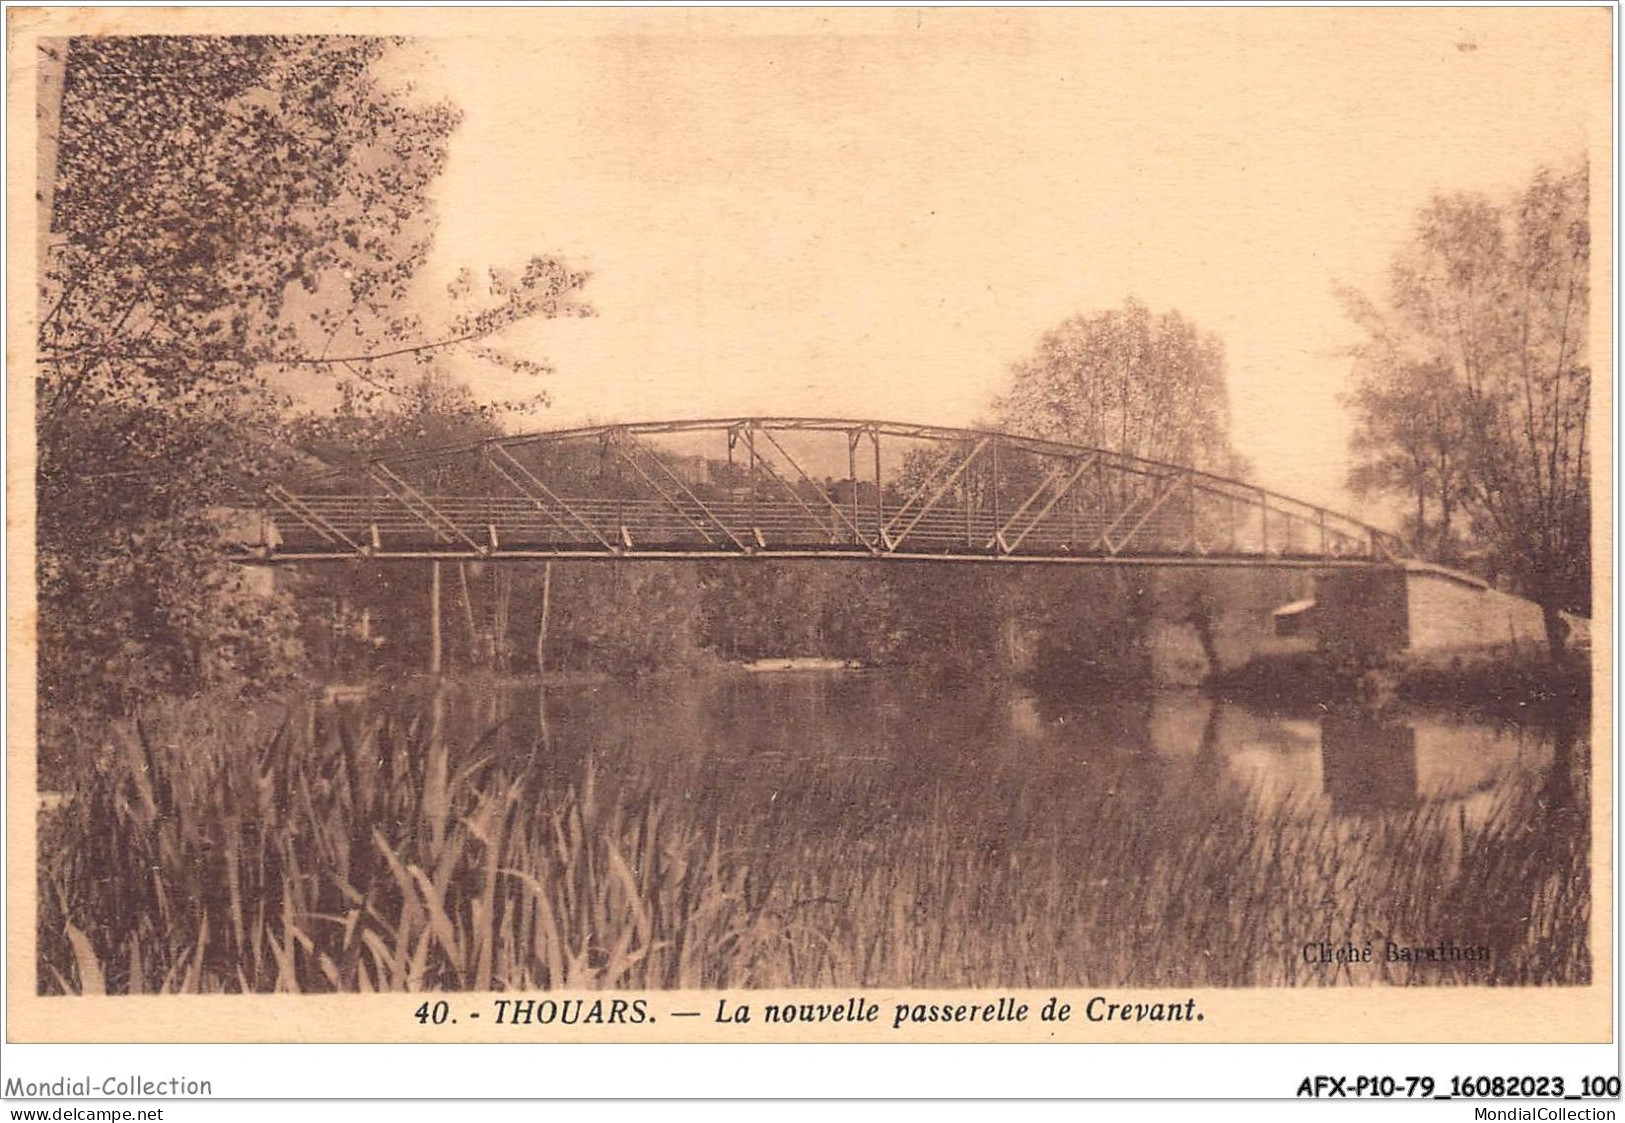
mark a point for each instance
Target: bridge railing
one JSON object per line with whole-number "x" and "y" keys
{"x": 497, "y": 524}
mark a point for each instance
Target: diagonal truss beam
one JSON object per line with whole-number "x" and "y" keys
{"x": 920, "y": 489}
{"x": 1055, "y": 497}
{"x": 1195, "y": 518}
{"x": 936, "y": 496}
{"x": 302, "y": 511}
{"x": 998, "y": 535}
{"x": 414, "y": 501}
{"x": 1156, "y": 504}
{"x": 622, "y": 441}
{"x": 540, "y": 494}
{"x": 773, "y": 473}
{"x": 536, "y": 500}
{"x": 806, "y": 479}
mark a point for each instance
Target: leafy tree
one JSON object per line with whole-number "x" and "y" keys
{"x": 134, "y": 599}
{"x": 760, "y": 609}
{"x": 1133, "y": 382}
{"x": 765, "y": 609}
{"x": 233, "y": 223}
{"x": 626, "y": 620}
{"x": 1130, "y": 381}
{"x": 1091, "y": 629}
{"x": 1497, "y": 295}
{"x": 1410, "y": 441}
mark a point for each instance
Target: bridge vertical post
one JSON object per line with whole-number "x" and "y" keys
{"x": 852, "y": 438}
{"x": 434, "y": 618}
{"x": 1102, "y": 501}
{"x": 1190, "y": 500}
{"x": 750, "y": 452}
{"x": 1077, "y": 516}
{"x": 483, "y": 467}
{"x": 964, "y": 488}
{"x": 997, "y": 521}
{"x": 880, "y": 494}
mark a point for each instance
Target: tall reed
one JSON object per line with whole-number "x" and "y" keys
{"x": 203, "y": 850}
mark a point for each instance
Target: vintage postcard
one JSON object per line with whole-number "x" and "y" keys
{"x": 821, "y": 525}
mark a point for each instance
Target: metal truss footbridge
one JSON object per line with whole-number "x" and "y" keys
{"x": 794, "y": 487}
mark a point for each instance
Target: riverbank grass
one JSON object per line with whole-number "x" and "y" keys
{"x": 206, "y": 851}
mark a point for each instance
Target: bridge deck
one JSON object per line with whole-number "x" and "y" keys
{"x": 479, "y": 527}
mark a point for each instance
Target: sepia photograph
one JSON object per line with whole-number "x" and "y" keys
{"x": 579, "y": 506}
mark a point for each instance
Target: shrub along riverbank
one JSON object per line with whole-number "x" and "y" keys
{"x": 1521, "y": 684}
{"x": 1068, "y": 630}
{"x": 1063, "y": 624}
{"x": 210, "y": 848}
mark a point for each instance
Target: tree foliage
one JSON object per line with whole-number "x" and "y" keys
{"x": 1483, "y": 341}
{"x": 626, "y": 621}
{"x": 235, "y": 224}
{"x": 1130, "y": 381}
{"x": 1410, "y": 440}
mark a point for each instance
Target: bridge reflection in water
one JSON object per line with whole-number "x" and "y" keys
{"x": 1357, "y": 761}
{"x": 795, "y": 487}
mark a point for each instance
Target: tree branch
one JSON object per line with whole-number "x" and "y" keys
{"x": 250, "y": 359}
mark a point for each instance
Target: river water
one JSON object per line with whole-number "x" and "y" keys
{"x": 880, "y": 740}
{"x": 892, "y": 828}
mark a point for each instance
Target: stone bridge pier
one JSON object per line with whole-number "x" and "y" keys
{"x": 1424, "y": 609}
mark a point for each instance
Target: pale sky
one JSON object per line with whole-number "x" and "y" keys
{"x": 872, "y": 214}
